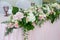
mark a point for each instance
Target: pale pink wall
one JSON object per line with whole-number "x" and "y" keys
{"x": 48, "y": 31}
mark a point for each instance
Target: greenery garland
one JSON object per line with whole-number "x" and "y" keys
{"x": 34, "y": 15}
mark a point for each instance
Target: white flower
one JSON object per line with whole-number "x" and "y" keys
{"x": 18, "y": 16}
{"x": 44, "y": 8}
{"x": 56, "y": 5}
{"x": 25, "y": 11}
{"x": 30, "y": 17}
{"x": 48, "y": 9}
{"x": 40, "y": 10}
{"x": 35, "y": 8}
{"x": 13, "y": 20}
{"x": 15, "y": 17}
{"x": 43, "y": 16}
{"x": 10, "y": 25}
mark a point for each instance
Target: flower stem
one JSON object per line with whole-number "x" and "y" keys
{"x": 25, "y": 34}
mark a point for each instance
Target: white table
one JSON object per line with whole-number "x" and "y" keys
{"x": 48, "y": 31}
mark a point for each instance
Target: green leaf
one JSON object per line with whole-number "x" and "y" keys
{"x": 29, "y": 26}
{"x": 9, "y": 30}
{"x": 6, "y": 22}
{"x": 22, "y": 23}
{"x": 45, "y": 11}
{"x": 24, "y": 20}
{"x": 37, "y": 19}
{"x": 52, "y": 17}
{"x": 15, "y": 10}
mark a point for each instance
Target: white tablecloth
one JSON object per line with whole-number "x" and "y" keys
{"x": 48, "y": 31}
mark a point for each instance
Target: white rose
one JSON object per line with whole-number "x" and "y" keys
{"x": 18, "y": 16}
{"x": 30, "y": 17}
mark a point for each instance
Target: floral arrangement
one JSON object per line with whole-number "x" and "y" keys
{"x": 35, "y": 15}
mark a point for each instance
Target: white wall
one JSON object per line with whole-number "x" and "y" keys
{"x": 11, "y": 1}
{"x": 19, "y": 3}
